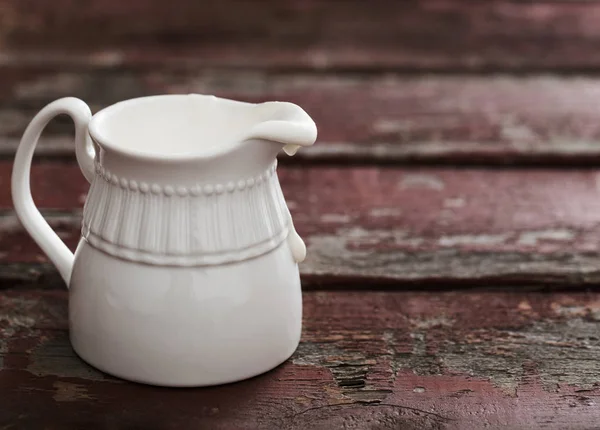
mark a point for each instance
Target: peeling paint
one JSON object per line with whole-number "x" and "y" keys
{"x": 421, "y": 181}
{"x": 405, "y": 127}
{"x": 388, "y": 126}
{"x": 565, "y": 354}
{"x": 68, "y": 392}
{"x": 450, "y": 354}
{"x": 385, "y": 212}
{"x": 18, "y": 321}
{"x": 56, "y": 357}
{"x": 473, "y": 239}
{"x": 511, "y": 131}
{"x": 437, "y": 321}
{"x": 454, "y": 203}
{"x": 14, "y": 313}
{"x": 15, "y": 317}
{"x": 322, "y": 247}
{"x": 391, "y": 255}
{"x": 524, "y": 306}
{"x": 349, "y": 370}
{"x": 590, "y": 310}
{"x": 531, "y": 238}
{"x": 335, "y": 218}
{"x": 356, "y": 232}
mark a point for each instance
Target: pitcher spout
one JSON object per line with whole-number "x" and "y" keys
{"x": 284, "y": 123}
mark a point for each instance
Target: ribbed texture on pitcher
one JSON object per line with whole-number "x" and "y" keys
{"x": 185, "y": 226}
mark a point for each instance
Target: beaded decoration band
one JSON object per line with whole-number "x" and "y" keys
{"x": 194, "y": 190}
{"x": 198, "y": 225}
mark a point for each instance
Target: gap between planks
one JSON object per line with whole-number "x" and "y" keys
{"x": 563, "y": 155}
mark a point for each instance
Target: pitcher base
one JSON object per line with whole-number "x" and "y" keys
{"x": 187, "y": 381}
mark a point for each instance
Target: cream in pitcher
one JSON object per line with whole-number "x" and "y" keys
{"x": 186, "y": 273}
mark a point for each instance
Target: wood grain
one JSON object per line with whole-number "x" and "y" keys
{"x": 361, "y": 119}
{"x": 379, "y": 226}
{"x": 451, "y": 360}
{"x": 314, "y": 35}
{"x": 377, "y": 351}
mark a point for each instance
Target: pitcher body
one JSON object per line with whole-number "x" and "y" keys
{"x": 184, "y": 326}
{"x": 186, "y": 273}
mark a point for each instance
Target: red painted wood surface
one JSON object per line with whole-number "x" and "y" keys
{"x": 415, "y": 360}
{"x": 394, "y": 226}
{"x": 361, "y": 119}
{"x": 391, "y": 336}
{"x": 316, "y": 34}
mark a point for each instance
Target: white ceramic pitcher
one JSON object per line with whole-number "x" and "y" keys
{"x": 186, "y": 273}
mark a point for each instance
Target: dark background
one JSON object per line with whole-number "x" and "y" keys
{"x": 450, "y": 207}
{"x": 442, "y": 81}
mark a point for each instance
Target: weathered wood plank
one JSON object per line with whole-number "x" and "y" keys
{"x": 382, "y": 118}
{"x": 320, "y": 34}
{"x": 450, "y": 360}
{"x": 427, "y": 226}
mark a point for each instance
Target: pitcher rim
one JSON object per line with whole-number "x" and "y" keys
{"x": 99, "y": 137}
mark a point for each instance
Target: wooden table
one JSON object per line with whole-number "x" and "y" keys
{"x": 451, "y": 207}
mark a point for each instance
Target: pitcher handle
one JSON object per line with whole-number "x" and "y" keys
{"x": 28, "y": 213}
